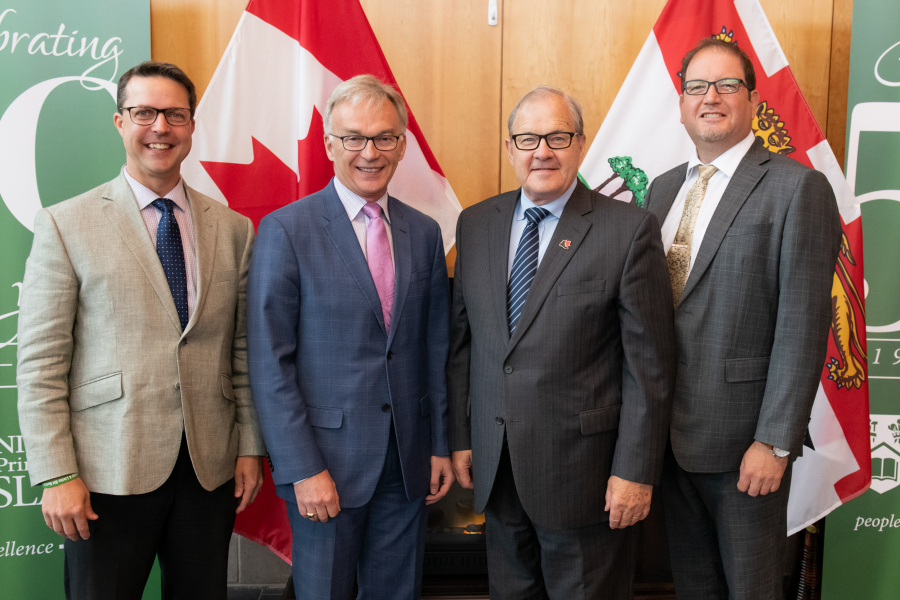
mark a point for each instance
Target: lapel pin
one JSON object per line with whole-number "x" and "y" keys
{"x": 565, "y": 244}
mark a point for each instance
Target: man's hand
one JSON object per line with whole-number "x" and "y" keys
{"x": 627, "y": 502}
{"x": 317, "y": 496}
{"x": 248, "y": 479}
{"x": 462, "y": 466}
{"x": 440, "y": 469}
{"x": 761, "y": 471}
{"x": 67, "y": 509}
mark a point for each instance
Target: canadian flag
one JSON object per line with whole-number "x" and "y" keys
{"x": 642, "y": 137}
{"x": 258, "y": 144}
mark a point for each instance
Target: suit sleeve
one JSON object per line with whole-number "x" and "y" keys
{"x": 273, "y": 313}
{"x": 250, "y": 441}
{"x": 45, "y": 342}
{"x": 649, "y": 358}
{"x": 810, "y": 244}
{"x": 460, "y": 351}
{"x": 438, "y": 310}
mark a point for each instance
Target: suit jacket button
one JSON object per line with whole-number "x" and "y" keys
{"x": 508, "y": 369}
{"x": 177, "y": 385}
{"x": 390, "y": 355}
{"x": 499, "y": 420}
{"x": 385, "y": 407}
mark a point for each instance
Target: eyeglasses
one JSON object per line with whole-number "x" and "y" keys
{"x": 698, "y": 87}
{"x": 556, "y": 141}
{"x": 356, "y": 143}
{"x": 147, "y": 115}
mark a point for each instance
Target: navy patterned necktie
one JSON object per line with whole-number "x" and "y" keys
{"x": 525, "y": 265}
{"x": 171, "y": 255}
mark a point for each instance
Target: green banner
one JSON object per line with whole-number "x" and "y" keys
{"x": 862, "y": 538}
{"x": 60, "y": 61}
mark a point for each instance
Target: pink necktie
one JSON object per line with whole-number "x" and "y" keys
{"x": 378, "y": 254}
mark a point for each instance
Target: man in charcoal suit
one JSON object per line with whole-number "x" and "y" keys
{"x": 752, "y": 238}
{"x": 561, "y": 366}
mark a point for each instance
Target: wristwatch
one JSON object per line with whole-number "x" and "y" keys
{"x": 778, "y": 452}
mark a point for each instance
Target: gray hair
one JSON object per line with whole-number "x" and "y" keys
{"x": 545, "y": 91}
{"x": 364, "y": 89}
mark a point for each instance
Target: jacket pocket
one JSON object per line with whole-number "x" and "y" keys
{"x": 224, "y": 275}
{"x": 582, "y": 287}
{"x": 599, "y": 420}
{"x": 329, "y": 418}
{"x": 746, "y": 369}
{"x": 97, "y": 391}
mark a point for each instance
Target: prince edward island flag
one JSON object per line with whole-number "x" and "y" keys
{"x": 642, "y": 137}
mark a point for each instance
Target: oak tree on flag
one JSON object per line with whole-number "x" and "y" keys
{"x": 835, "y": 466}
{"x": 258, "y": 144}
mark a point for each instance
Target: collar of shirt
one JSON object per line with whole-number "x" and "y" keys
{"x": 353, "y": 204}
{"x": 145, "y": 196}
{"x": 555, "y": 207}
{"x": 726, "y": 163}
{"x": 545, "y": 228}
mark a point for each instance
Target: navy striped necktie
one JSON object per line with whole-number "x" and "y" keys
{"x": 525, "y": 265}
{"x": 171, "y": 255}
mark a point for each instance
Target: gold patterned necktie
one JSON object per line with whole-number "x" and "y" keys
{"x": 679, "y": 256}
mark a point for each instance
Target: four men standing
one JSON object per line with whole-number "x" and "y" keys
{"x": 564, "y": 363}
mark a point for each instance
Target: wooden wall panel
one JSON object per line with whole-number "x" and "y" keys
{"x": 839, "y": 79}
{"x": 193, "y": 34}
{"x": 446, "y": 59}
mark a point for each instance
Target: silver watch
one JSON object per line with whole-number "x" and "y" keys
{"x": 778, "y": 452}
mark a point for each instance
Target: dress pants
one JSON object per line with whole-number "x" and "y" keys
{"x": 530, "y": 562}
{"x": 381, "y": 544}
{"x": 724, "y": 543}
{"x": 186, "y": 526}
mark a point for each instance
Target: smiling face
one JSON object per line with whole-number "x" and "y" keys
{"x": 544, "y": 173}
{"x": 716, "y": 122}
{"x": 154, "y": 153}
{"x": 366, "y": 172}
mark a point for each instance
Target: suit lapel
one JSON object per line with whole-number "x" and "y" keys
{"x": 665, "y": 189}
{"x": 501, "y": 222}
{"x": 339, "y": 229}
{"x": 402, "y": 262}
{"x": 125, "y": 216}
{"x": 572, "y": 227}
{"x": 205, "y": 228}
{"x": 750, "y": 170}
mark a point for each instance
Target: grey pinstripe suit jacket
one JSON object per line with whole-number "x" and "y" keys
{"x": 582, "y": 389}
{"x": 752, "y": 322}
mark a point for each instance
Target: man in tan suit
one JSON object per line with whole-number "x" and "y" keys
{"x": 132, "y": 371}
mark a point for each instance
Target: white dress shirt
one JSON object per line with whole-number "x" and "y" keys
{"x": 726, "y": 163}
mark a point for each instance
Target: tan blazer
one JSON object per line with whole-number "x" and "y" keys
{"x": 107, "y": 379}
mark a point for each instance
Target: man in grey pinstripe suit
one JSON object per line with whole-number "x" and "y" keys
{"x": 751, "y": 323}
{"x": 561, "y": 424}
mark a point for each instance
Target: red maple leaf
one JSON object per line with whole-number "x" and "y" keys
{"x": 266, "y": 183}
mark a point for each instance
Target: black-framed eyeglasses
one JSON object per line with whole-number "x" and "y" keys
{"x": 557, "y": 140}
{"x": 357, "y": 143}
{"x": 699, "y": 87}
{"x": 147, "y": 115}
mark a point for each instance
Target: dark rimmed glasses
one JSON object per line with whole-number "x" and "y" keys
{"x": 557, "y": 140}
{"x": 147, "y": 115}
{"x": 699, "y": 87}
